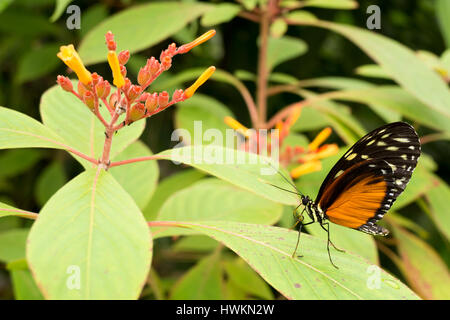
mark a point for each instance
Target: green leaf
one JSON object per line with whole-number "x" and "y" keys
{"x": 52, "y": 178}
{"x": 213, "y": 199}
{"x": 201, "y": 282}
{"x": 268, "y": 251}
{"x": 7, "y": 210}
{"x": 348, "y": 239}
{"x": 18, "y": 130}
{"x": 93, "y": 16}
{"x": 21, "y": 23}
{"x": 278, "y": 28}
{"x": 300, "y": 16}
{"x": 4, "y": 4}
{"x": 247, "y": 279}
{"x": 17, "y": 161}
{"x": 24, "y": 286}
{"x": 247, "y": 171}
{"x": 139, "y": 27}
{"x": 423, "y": 268}
{"x": 396, "y": 99}
{"x": 438, "y": 199}
{"x": 282, "y": 49}
{"x": 167, "y": 187}
{"x": 12, "y": 244}
{"x": 209, "y": 113}
{"x": 139, "y": 179}
{"x": 79, "y": 127}
{"x": 110, "y": 243}
{"x": 37, "y": 63}
{"x": 59, "y": 9}
{"x": 401, "y": 63}
{"x": 220, "y": 13}
{"x": 442, "y": 8}
{"x": 332, "y": 4}
{"x": 195, "y": 243}
{"x": 372, "y": 71}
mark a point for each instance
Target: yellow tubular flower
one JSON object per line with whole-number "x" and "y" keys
{"x": 189, "y": 92}
{"x": 204, "y": 37}
{"x": 327, "y": 151}
{"x": 306, "y": 168}
{"x": 319, "y": 139}
{"x": 70, "y": 57}
{"x": 236, "y": 125}
{"x": 113, "y": 61}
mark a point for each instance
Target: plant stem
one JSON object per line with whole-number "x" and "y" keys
{"x": 119, "y": 163}
{"x": 261, "y": 94}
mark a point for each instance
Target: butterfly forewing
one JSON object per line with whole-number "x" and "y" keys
{"x": 366, "y": 181}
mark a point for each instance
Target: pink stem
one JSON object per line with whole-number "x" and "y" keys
{"x": 119, "y": 163}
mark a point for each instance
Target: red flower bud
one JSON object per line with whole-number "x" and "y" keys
{"x": 82, "y": 89}
{"x": 151, "y": 102}
{"x": 65, "y": 83}
{"x": 153, "y": 65}
{"x": 177, "y": 95}
{"x": 127, "y": 85}
{"x": 166, "y": 62}
{"x": 123, "y": 71}
{"x": 124, "y": 56}
{"x": 89, "y": 100}
{"x": 137, "y": 111}
{"x": 110, "y": 43}
{"x": 96, "y": 78}
{"x": 144, "y": 96}
{"x": 163, "y": 99}
{"x": 143, "y": 76}
{"x": 133, "y": 92}
{"x": 113, "y": 101}
{"x": 103, "y": 88}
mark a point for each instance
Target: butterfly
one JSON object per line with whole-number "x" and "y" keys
{"x": 364, "y": 183}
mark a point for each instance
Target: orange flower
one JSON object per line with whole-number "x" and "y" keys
{"x": 319, "y": 139}
{"x": 113, "y": 61}
{"x": 236, "y": 125}
{"x": 70, "y": 57}
{"x": 189, "y": 92}
{"x": 306, "y": 168}
{"x": 325, "y": 151}
{"x": 204, "y": 37}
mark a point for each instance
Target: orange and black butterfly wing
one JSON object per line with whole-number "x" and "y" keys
{"x": 366, "y": 181}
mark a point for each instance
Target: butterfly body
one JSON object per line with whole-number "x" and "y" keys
{"x": 363, "y": 185}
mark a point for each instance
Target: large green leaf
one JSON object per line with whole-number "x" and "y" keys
{"x": 283, "y": 49}
{"x": 248, "y": 171}
{"x": 268, "y": 250}
{"x": 18, "y": 130}
{"x": 442, "y": 12}
{"x": 220, "y": 13}
{"x": 201, "y": 282}
{"x": 139, "y": 27}
{"x": 332, "y": 4}
{"x": 24, "y": 286}
{"x": 401, "y": 63}
{"x": 209, "y": 114}
{"x": 52, "y": 178}
{"x": 139, "y": 179}
{"x": 90, "y": 242}
{"x": 422, "y": 266}
{"x": 213, "y": 199}
{"x": 12, "y": 244}
{"x": 393, "y": 98}
{"x": 167, "y": 187}
{"x": 79, "y": 127}
{"x": 438, "y": 198}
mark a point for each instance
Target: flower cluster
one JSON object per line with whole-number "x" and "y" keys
{"x": 129, "y": 98}
{"x": 308, "y": 158}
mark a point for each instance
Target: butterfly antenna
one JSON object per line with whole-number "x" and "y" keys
{"x": 286, "y": 179}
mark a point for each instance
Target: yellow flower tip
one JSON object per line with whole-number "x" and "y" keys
{"x": 319, "y": 139}
{"x": 204, "y": 37}
{"x": 306, "y": 168}
{"x": 295, "y": 114}
{"x": 236, "y": 125}
{"x": 114, "y": 64}
{"x": 189, "y": 92}
{"x": 70, "y": 57}
{"x": 325, "y": 151}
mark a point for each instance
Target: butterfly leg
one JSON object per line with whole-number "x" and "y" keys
{"x": 298, "y": 239}
{"x": 328, "y": 242}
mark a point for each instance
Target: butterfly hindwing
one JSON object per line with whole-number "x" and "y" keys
{"x": 366, "y": 181}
